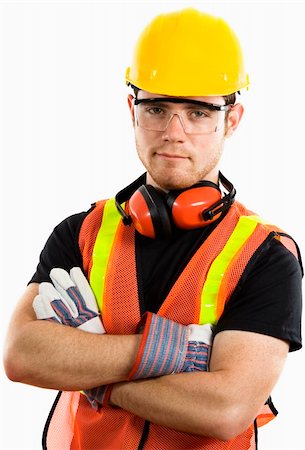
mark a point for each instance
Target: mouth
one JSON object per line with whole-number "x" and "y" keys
{"x": 172, "y": 156}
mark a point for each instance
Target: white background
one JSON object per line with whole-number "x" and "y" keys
{"x": 66, "y": 141}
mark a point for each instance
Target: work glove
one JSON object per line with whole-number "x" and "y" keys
{"x": 168, "y": 347}
{"x": 70, "y": 301}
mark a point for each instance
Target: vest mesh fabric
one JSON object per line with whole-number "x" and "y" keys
{"x": 289, "y": 243}
{"x": 88, "y": 233}
{"x": 114, "y": 428}
{"x": 163, "y": 438}
{"x": 59, "y": 436}
{"x": 236, "y": 268}
{"x": 120, "y": 430}
{"x": 121, "y": 310}
{"x": 189, "y": 284}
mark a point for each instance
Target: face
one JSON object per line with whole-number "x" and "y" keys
{"x": 175, "y": 159}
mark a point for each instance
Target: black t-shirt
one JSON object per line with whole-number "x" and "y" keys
{"x": 267, "y": 299}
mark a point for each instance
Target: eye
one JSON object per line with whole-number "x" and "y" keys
{"x": 198, "y": 114}
{"x": 154, "y": 110}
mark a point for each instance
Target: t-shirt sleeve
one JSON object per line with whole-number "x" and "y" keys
{"x": 61, "y": 249}
{"x": 269, "y": 300}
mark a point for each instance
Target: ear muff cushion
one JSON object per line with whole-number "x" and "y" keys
{"x": 149, "y": 213}
{"x": 187, "y": 206}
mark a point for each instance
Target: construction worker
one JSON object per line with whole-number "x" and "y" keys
{"x": 171, "y": 307}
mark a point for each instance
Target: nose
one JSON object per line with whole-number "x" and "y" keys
{"x": 174, "y": 131}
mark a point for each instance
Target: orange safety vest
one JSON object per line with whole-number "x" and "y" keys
{"x": 198, "y": 296}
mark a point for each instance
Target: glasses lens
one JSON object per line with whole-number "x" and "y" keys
{"x": 195, "y": 119}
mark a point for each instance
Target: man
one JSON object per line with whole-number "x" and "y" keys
{"x": 169, "y": 259}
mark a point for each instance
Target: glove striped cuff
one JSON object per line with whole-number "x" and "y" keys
{"x": 197, "y": 357}
{"x": 163, "y": 348}
{"x": 98, "y": 397}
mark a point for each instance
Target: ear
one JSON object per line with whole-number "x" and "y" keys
{"x": 234, "y": 117}
{"x": 130, "y": 99}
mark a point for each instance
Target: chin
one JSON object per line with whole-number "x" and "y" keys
{"x": 169, "y": 184}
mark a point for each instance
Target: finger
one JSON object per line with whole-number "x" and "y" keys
{"x": 43, "y": 309}
{"x": 84, "y": 288}
{"x": 201, "y": 333}
{"x": 63, "y": 312}
{"x": 62, "y": 282}
{"x": 93, "y": 326}
{"x": 49, "y": 292}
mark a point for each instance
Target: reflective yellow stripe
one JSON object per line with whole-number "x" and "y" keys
{"x": 102, "y": 249}
{"x": 258, "y": 220}
{"x": 243, "y": 230}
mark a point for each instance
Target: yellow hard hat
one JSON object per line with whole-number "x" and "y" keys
{"x": 188, "y": 53}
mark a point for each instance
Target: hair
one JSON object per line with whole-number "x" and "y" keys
{"x": 229, "y": 99}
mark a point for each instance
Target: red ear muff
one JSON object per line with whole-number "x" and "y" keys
{"x": 153, "y": 214}
{"x": 148, "y": 212}
{"x": 187, "y": 207}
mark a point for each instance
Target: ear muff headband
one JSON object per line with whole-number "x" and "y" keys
{"x": 125, "y": 194}
{"x": 224, "y": 203}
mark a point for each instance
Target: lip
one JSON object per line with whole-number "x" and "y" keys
{"x": 171, "y": 156}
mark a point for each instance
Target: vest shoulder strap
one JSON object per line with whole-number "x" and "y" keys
{"x": 88, "y": 233}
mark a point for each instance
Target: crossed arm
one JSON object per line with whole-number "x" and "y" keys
{"x": 220, "y": 403}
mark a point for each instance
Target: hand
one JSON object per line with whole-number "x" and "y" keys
{"x": 168, "y": 347}
{"x": 70, "y": 301}
{"x": 99, "y": 396}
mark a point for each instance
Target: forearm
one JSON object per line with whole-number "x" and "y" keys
{"x": 190, "y": 402}
{"x": 221, "y": 403}
{"x": 55, "y": 356}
